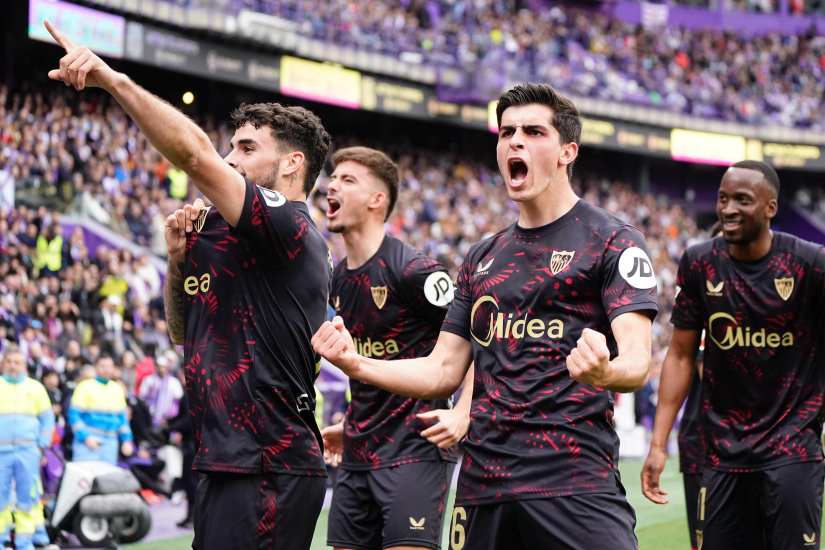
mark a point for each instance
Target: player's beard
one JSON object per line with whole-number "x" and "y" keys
{"x": 748, "y": 235}
{"x": 271, "y": 178}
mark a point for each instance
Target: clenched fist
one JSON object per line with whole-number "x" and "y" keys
{"x": 589, "y": 361}
{"x": 334, "y": 343}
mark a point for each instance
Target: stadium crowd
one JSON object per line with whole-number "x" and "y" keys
{"x": 66, "y": 305}
{"x": 768, "y": 79}
{"x": 812, "y": 199}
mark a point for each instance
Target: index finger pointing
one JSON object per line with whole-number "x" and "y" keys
{"x": 58, "y": 36}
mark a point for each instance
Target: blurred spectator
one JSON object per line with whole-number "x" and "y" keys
{"x": 128, "y": 361}
{"x": 754, "y": 79}
{"x": 98, "y": 417}
{"x": 162, "y": 392}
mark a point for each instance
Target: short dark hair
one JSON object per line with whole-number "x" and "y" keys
{"x": 566, "y": 117}
{"x": 294, "y": 127}
{"x": 771, "y": 177}
{"x": 379, "y": 164}
{"x": 103, "y": 356}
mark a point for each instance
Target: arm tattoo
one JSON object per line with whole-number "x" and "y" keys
{"x": 173, "y": 300}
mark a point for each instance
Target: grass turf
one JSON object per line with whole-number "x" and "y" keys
{"x": 657, "y": 527}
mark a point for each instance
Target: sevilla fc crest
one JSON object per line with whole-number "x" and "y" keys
{"x": 560, "y": 260}
{"x": 202, "y": 218}
{"x": 784, "y": 287}
{"x": 379, "y": 295}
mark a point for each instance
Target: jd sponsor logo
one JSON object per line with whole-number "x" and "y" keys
{"x": 368, "y": 348}
{"x": 417, "y": 525}
{"x": 635, "y": 267}
{"x": 503, "y": 326}
{"x": 735, "y": 335}
{"x": 439, "y": 289}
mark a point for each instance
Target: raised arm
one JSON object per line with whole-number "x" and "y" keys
{"x": 590, "y": 361}
{"x": 674, "y": 384}
{"x": 436, "y": 376}
{"x": 172, "y": 133}
{"x": 178, "y": 225}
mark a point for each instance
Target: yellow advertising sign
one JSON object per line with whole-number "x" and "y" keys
{"x": 320, "y": 82}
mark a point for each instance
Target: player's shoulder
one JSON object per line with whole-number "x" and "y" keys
{"x": 605, "y": 224}
{"x": 806, "y": 251}
{"x": 706, "y": 248}
{"x": 404, "y": 259}
{"x": 487, "y": 244}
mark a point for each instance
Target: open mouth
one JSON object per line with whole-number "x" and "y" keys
{"x": 731, "y": 225}
{"x": 518, "y": 171}
{"x": 333, "y": 206}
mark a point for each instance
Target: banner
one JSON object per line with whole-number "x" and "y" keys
{"x": 321, "y": 82}
{"x": 100, "y": 31}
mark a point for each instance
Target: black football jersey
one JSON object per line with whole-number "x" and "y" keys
{"x": 393, "y": 307}
{"x": 764, "y": 366}
{"x": 255, "y": 295}
{"x": 523, "y": 299}
{"x": 691, "y": 440}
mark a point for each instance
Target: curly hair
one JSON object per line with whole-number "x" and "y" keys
{"x": 294, "y": 128}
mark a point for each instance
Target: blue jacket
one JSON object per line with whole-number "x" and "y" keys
{"x": 26, "y": 417}
{"x": 98, "y": 408}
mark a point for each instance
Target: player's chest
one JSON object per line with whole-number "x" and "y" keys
{"x": 541, "y": 275}
{"x": 216, "y": 262}
{"x": 369, "y": 298}
{"x": 762, "y": 293}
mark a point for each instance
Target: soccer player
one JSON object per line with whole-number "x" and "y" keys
{"x": 244, "y": 293}
{"x": 760, "y": 297}
{"x": 556, "y": 312}
{"x": 691, "y": 439}
{"x": 392, "y": 489}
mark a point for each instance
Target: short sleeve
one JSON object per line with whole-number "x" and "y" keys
{"x": 628, "y": 283}
{"x": 687, "y": 309}
{"x": 818, "y": 272}
{"x": 273, "y": 226}
{"x": 429, "y": 288}
{"x": 458, "y": 319}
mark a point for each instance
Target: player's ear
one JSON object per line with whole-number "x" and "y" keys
{"x": 771, "y": 208}
{"x": 291, "y": 163}
{"x": 378, "y": 200}
{"x": 569, "y": 152}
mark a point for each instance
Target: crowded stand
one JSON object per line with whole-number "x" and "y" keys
{"x": 733, "y": 76}
{"x": 66, "y": 308}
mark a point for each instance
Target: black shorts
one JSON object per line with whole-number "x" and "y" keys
{"x": 779, "y": 509}
{"x": 579, "y": 522}
{"x": 257, "y": 511}
{"x": 693, "y": 484}
{"x": 398, "y": 506}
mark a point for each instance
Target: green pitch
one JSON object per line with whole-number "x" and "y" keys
{"x": 657, "y": 527}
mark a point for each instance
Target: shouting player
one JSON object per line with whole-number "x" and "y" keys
{"x": 244, "y": 294}
{"x": 392, "y": 490}
{"x": 556, "y": 312}
{"x": 760, "y": 297}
